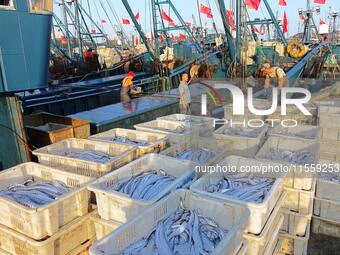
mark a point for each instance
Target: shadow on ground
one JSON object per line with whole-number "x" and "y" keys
{"x": 323, "y": 245}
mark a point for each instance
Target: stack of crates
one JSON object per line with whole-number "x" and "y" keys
{"x": 299, "y": 184}
{"x": 265, "y": 220}
{"x": 59, "y": 227}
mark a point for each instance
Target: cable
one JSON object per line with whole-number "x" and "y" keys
{"x": 18, "y": 137}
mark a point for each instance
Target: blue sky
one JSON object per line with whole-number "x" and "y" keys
{"x": 187, "y": 8}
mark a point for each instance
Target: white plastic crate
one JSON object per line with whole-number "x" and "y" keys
{"x": 55, "y": 156}
{"x": 157, "y": 142}
{"x": 242, "y": 145}
{"x": 243, "y": 249}
{"x": 177, "y": 132}
{"x": 325, "y": 227}
{"x": 299, "y": 177}
{"x": 82, "y": 249}
{"x": 300, "y": 132}
{"x": 295, "y": 245}
{"x": 330, "y": 134}
{"x": 103, "y": 227}
{"x": 113, "y": 205}
{"x": 205, "y": 125}
{"x": 296, "y": 223}
{"x": 68, "y": 238}
{"x": 46, "y": 220}
{"x": 330, "y": 150}
{"x": 327, "y": 209}
{"x": 259, "y": 212}
{"x": 329, "y": 116}
{"x": 257, "y": 243}
{"x": 211, "y": 144}
{"x": 300, "y": 201}
{"x": 327, "y": 189}
{"x": 259, "y": 104}
{"x": 229, "y": 217}
{"x": 276, "y": 250}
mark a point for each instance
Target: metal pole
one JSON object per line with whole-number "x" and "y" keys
{"x": 199, "y": 14}
{"x": 67, "y": 32}
{"x": 78, "y": 28}
{"x": 309, "y": 16}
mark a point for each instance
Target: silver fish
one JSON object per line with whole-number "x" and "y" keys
{"x": 124, "y": 139}
{"x": 201, "y": 155}
{"x": 294, "y": 157}
{"x": 243, "y": 131}
{"x": 94, "y": 156}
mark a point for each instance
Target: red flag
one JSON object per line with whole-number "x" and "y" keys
{"x": 182, "y": 37}
{"x": 172, "y": 24}
{"x": 126, "y": 22}
{"x": 205, "y": 9}
{"x": 137, "y": 16}
{"x": 161, "y": 38}
{"x": 230, "y": 15}
{"x": 93, "y": 30}
{"x": 282, "y": 3}
{"x": 188, "y": 24}
{"x": 152, "y": 37}
{"x": 322, "y": 22}
{"x": 166, "y": 17}
{"x": 103, "y": 21}
{"x": 320, "y": 1}
{"x": 137, "y": 41}
{"x": 256, "y": 30}
{"x": 253, "y": 4}
{"x": 285, "y": 23}
{"x": 210, "y": 16}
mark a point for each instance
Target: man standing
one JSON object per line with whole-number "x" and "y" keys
{"x": 184, "y": 93}
{"x": 127, "y": 84}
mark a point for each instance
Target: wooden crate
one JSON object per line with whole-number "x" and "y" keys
{"x": 44, "y": 221}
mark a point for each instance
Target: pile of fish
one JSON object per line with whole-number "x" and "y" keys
{"x": 249, "y": 189}
{"x": 187, "y": 119}
{"x": 200, "y": 155}
{"x": 330, "y": 177}
{"x": 35, "y": 194}
{"x": 179, "y": 130}
{"x": 93, "y": 156}
{"x": 183, "y": 232}
{"x": 145, "y": 185}
{"x": 124, "y": 139}
{"x": 286, "y": 132}
{"x": 294, "y": 157}
{"x": 247, "y": 132}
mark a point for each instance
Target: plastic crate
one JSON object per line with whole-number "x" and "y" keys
{"x": 205, "y": 125}
{"x": 326, "y": 189}
{"x": 330, "y": 134}
{"x": 46, "y": 220}
{"x": 82, "y": 249}
{"x": 259, "y": 212}
{"x": 300, "y": 201}
{"x": 330, "y": 150}
{"x": 220, "y": 149}
{"x": 242, "y": 145}
{"x": 302, "y": 178}
{"x": 68, "y": 238}
{"x": 171, "y": 129}
{"x": 229, "y": 217}
{"x": 276, "y": 250}
{"x": 55, "y": 155}
{"x": 243, "y": 249}
{"x": 113, "y": 205}
{"x": 327, "y": 209}
{"x": 329, "y": 116}
{"x": 258, "y": 243}
{"x": 157, "y": 142}
{"x": 300, "y": 132}
{"x": 325, "y": 227}
{"x": 103, "y": 227}
{"x": 296, "y": 223}
{"x": 294, "y": 245}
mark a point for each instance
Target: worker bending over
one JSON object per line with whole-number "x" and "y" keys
{"x": 127, "y": 84}
{"x": 184, "y": 93}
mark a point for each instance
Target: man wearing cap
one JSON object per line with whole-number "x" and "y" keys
{"x": 127, "y": 84}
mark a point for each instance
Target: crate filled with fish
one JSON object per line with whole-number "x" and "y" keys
{"x": 300, "y": 201}
{"x": 293, "y": 113}
{"x": 181, "y": 223}
{"x": 296, "y": 223}
{"x": 246, "y": 140}
{"x": 103, "y": 227}
{"x": 205, "y": 151}
{"x": 258, "y": 191}
{"x": 146, "y": 142}
{"x": 67, "y": 240}
{"x": 37, "y": 200}
{"x": 257, "y": 244}
{"x": 86, "y": 157}
{"x": 294, "y": 245}
{"x": 204, "y": 125}
{"x": 260, "y": 104}
{"x": 177, "y": 132}
{"x": 300, "y": 132}
{"x": 328, "y": 181}
{"x": 294, "y": 153}
{"x": 124, "y": 193}
{"x": 325, "y": 227}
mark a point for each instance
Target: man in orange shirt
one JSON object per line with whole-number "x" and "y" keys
{"x": 127, "y": 84}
